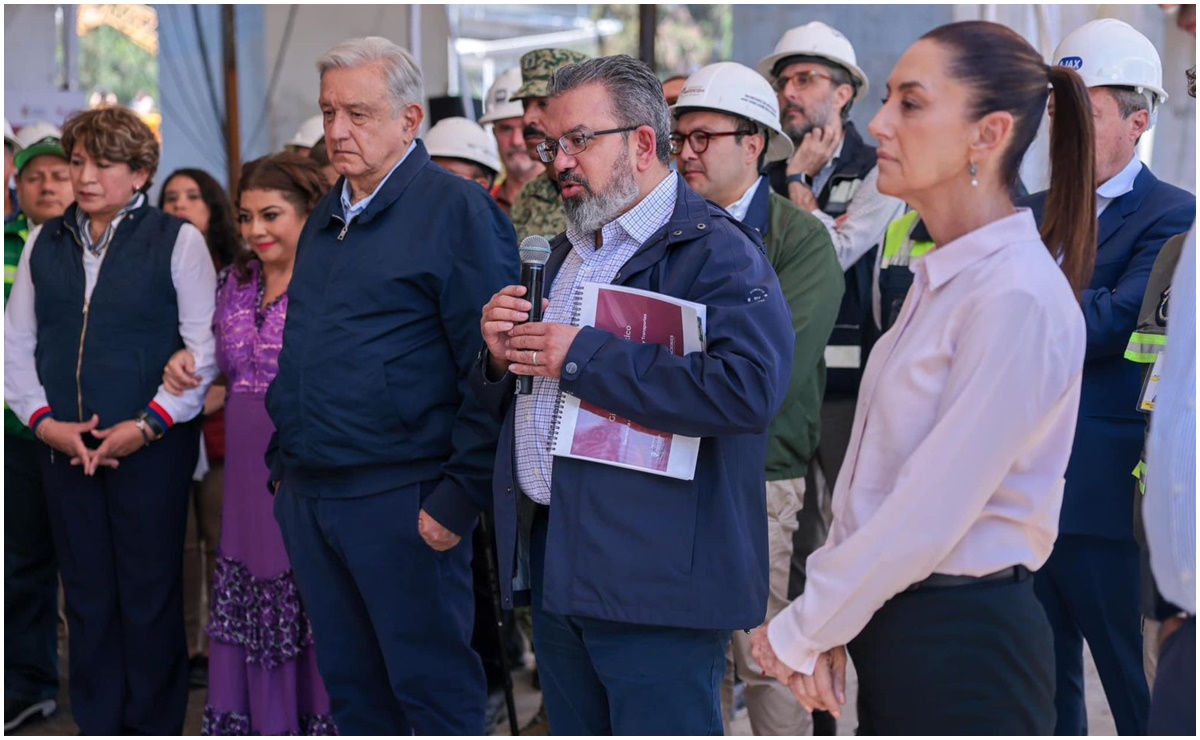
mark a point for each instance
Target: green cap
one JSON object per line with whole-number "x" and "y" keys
{"x": 536, "y": 68}
{"x": 46, "y": 145}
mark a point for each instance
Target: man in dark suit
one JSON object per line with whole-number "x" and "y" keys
{"x": 382, "y": 459}
{"x": 1090, "y": 585}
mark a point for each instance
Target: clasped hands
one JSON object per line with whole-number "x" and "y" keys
{"x": 824, "y": 690}
{"x": 537, "y": 348}
{"x": 117, "y": 441}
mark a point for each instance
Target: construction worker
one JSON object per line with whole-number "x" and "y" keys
{"x": 907, "y": 239}
{"x": 726, "y": 125}
{"x": 507, "y": 119}
{"x": 1090, "y": 585}
{"x": 465, "y": 148}
{"x": 31, "y": 568}
{"x": 538, "y": 208}
{"x": 307, "y": 136}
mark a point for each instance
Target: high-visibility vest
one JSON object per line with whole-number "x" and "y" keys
{"x": 906, "y": 240}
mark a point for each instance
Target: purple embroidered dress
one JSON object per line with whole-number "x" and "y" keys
{"x": 263, "y": 676}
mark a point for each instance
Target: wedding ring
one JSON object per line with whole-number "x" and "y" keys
{"x": 535, "y": 358}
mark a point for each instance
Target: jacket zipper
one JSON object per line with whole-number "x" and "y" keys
{"x": 87, "y": 302}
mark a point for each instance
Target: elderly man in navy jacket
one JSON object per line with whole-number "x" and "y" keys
{"x": 382, "y": 457}
{"x": 635, "y": 579}
{"x": 1090, "y": 585}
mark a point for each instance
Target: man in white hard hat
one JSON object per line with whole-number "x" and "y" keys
{"x": 11, "y": 147}
{"x": 465, "y": 148}
{"x": 726, "y": 125}
{"x": 306, "y": 137}
{"x": 31, "y": 568}
{"x": 507, "y": 118}
{"x": 1090, "y": 585}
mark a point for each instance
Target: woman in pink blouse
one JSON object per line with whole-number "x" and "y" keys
{"x": 950, "y": 492}
{"x": 263, "y": 676}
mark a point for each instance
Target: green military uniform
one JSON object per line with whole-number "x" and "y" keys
{"x": 538, "y": 208}
{"x": 800, "y": 250}
{"x": 15, "y": 234}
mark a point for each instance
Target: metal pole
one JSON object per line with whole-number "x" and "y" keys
{"x": 485, "y": 531}
{"x": 233, "y": 141}
{"x": 70, "y": 40}
{"x": 647, "y": 26}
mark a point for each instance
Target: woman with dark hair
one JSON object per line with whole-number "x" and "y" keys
{"x": 197, "y": 198}
{"x": 950, "y": 492}
{"x": 103, "y": 297}
{"x": 263, "y": 676}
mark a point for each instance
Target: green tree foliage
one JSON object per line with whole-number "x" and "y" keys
{"x": 688, "y": 36}
{"x": 109, "y": 61}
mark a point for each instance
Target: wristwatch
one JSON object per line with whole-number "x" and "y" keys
{"x": 802, "y": 178}
{"x": 148, "y": 426}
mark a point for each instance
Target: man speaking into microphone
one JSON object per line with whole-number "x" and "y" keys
{"x": 635, "y": 579}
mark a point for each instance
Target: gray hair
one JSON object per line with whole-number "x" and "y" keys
{"x": 400, "y": 69}
{"x": 633, "y": 90}
{"x": 1128, "y": 100}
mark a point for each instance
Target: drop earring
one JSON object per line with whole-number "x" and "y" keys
{"x": 973, "y": 169}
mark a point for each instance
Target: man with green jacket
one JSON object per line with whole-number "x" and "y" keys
{"x": 726, "y": 128}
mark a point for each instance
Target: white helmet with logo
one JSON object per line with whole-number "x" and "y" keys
{"x": 462, "y": 138}
{"x": 498, "y": 105}
{"x": 734, "y": 88}
{"x": 10, "y": 138}
{"x": 309, "y": 133}
{"x": 816, "y": 40}
{"x": 1112, "y": 53}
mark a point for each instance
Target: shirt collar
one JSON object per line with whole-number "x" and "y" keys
{"x": 741, "y": 206}
{"x": 1122, "y": 182}
{"x": 942, "y": 264}
{"x": 349, "y": 210}
{"x": 638, "y": 223}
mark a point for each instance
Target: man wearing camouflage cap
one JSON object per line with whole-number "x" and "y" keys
{"x": 538, "y": 208}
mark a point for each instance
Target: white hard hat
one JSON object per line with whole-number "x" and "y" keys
{"x": 1112, "y": 53}
{"x": 35, "y": 132}
{"x": 462, "y": 138}
{"x": 10, "y": 137}
{"x": 816, "y": 40}
{"x": 309, "y": 133}
{"x": 498, "y": 105}
{"x": 37, "y": 139}
{"x": 734, "y": 88}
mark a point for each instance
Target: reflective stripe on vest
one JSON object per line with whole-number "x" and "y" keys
{"x": 10, "y": 274}
{"x": 1140, "y": 473}
{"x": 1144, "y": 347}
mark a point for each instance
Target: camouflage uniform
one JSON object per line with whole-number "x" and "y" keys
{"x": 538, "y": 209}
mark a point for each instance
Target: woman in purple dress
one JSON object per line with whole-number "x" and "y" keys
{"x": 263, "y": 676}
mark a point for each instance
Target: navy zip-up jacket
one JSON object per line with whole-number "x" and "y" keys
{"x": 645, "y": 549}
{"x": 383, "y": 324}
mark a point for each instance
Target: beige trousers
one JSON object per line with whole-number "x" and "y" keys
{"x": 772, "y": 708}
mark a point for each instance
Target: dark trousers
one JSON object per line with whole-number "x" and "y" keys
{"x": 601, "y": 677}
{"x": 391, "y": 617}
{"x": 30, "y": 578}
{"x": 1173, "y": 706}
{"x": 1090, "y": 589}
{"x": 964, "y": 660}
{"x": 119, "y": 538}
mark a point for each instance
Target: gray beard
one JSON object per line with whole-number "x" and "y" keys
{"x": 589, "y": 213}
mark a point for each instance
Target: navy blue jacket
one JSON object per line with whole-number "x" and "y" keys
{"x": 1108, "y": 438}
{"x": 640, "y": 548}
{"x": 383, "y": 324}
{"x": 131, "y": 327}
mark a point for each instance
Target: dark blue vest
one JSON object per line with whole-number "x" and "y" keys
{"x": 105, "y": 357}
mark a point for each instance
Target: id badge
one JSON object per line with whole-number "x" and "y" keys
{"x": 1150, "y": 387}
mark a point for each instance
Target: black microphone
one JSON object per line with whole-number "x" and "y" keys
{"x": 535, "y": 252}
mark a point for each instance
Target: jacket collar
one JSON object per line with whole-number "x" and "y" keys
{"x": 330, "y": 208}
{"x": 758, "y": 215}
{"x": 944, "y": 263}
{"x": 71, "y": 216}
{"x": 856, "y": 159}
{"x": 1125, "y": 206}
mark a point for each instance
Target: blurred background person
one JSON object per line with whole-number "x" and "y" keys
{"x": 320, "y": 154}
{"x": 507, "y": 119}
{"x": 1137, "y": 213}
{"x": 263, "y": 670}
{"x": 118, "y": 451}
{"x": 672, "y": 87}
{"x": 968, "y": 409}
{"x": 196, "y": 197}
{"x": 465, "y": 148}
{"x": 307, "y": 136}
{"x": 726, "y": 127}
{"x": 30, "y": 567}
{"x": 11, "y": 147}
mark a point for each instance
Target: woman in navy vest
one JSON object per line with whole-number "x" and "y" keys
{"x": 103, "y": 297}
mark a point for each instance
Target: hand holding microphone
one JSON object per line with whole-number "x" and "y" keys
{"x": 515, "y": 305}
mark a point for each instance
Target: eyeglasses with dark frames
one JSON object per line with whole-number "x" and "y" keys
{"x": 573, "y": 143}
{"x": 801, "y": 80}
{"x": 698, "y": 140}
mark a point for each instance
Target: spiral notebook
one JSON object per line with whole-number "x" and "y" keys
{"x": 587, "y": 432}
